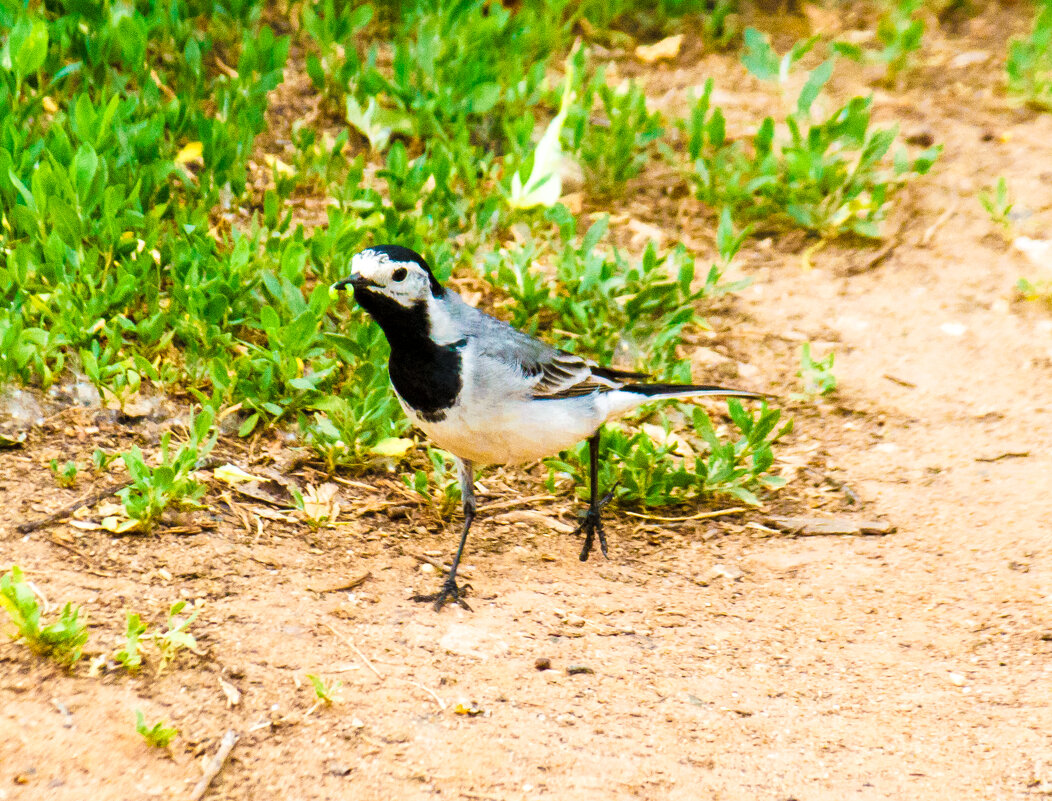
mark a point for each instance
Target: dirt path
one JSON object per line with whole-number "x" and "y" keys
{"x": 913, "y": 666}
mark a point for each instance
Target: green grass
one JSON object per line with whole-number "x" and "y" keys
{"x": 62, "y": 640}
{"x": 1029, "y": 64}
{"x": 900, "y": 34}
{"x": 324, "y": 692}
{"x": 159, "y": 735}
{"x": 828, "y": 174}
{"x": 816, "y": 375}
{"x": 153, "y": 247}
{"x": 129, "y": 656}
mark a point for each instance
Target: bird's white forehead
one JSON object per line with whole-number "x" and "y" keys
{"x": 371, "y": 264}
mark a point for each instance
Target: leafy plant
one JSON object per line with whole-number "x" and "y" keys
{"x": 324, "y": 693}
{"x": 827, "y": 176}
{"x": 614, "y": 150}
{"x": 158, "y": 735}
{"x": 333, "y": 26}
{"x": 441, "y": 488}
{"x": 130, "y": 657}
{"x": 177, "y": 637}
{"x": 1029, "y": 65}
{"x": 900, "y": 31}
{"x": 65, "y": 475}
{"x": 760, "y": 59}
{"x": 658, "y": 467}
{"x": 101, "y": 461}
{"x": 998, "y": 204}
{"x": 153, "y": 489}
{"x": 62, "y": 640}
{"x": 817, "y": 375}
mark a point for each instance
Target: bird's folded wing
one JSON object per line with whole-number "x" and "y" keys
{"x": 564, "y": 375}
{"x": 551, "y": 373}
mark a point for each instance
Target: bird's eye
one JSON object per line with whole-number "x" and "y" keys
{"x": 399, "y": 274}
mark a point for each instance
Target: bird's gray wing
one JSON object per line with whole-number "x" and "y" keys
{"x": 565, "y": 375}
{"x": 548, "y": 372}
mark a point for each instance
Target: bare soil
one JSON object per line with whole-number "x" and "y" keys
{"x": 720, "y": 659}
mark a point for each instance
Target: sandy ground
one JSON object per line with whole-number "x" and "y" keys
{"x": 718, "y": 659}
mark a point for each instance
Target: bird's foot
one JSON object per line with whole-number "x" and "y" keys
{"x": 450, "y": 591}
{"x": 592, "y": 526}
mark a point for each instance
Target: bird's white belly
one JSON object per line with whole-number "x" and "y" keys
{"x": 513, "y": 431}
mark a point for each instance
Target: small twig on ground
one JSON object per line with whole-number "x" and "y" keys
{"x": 839, "y": 486}
{"x": 350, "y": 644}
{"x": 490, "y": 507}
{"x": 1005, "y": 455}
{"x": 942, "y": 219}
{"x": 441, "y": 568}
{"x": 902, "y": 382}
{"x": 347, "y": 482}
{"x": 820, "y": 526}
{"x": 215, "y": 764}
{"x": 733, "y": 510}
{"x": 90, "y": 499}
{"x": 346, "y": 585}
{"x": 432, "y": 693}
{"x": 73, "y": 550}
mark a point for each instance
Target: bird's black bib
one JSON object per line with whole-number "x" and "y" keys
{"x": 425, "y": 375}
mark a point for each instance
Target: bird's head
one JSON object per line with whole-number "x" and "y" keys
{"x": 390, "y": 274}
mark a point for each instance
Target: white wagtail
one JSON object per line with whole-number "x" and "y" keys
{"x": 486, "y": 392}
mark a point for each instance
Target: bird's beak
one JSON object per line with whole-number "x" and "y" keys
{"x": 353, "y": 281}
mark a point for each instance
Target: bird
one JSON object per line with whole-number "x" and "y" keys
{"x": 488, "y": 393}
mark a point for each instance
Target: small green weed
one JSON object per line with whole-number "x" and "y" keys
{"x": 658, "y": 467}
{"x": 177, "y": 637}
{"x": 441, "y": 487}
{"x": 154, "y": 489}
{"x": 101, "y": 461}
{"x": 1037, "y": 290}
{"x": 826, "y": 176}
{"x": 817, "y": 375}
{"x": 324, "y": 693}
{"x": 761, "y": 60}
{"x": 900, "y": 31}
{"x": 158, "y": 735}
{"x": 62, "y": 640}
{"x": 129, "y": 657}
{"x": 998, "y": 204}
{"x": 333, "y": 27}
{"x": 615, "y": 149}
{"x": 65, "y": 475}
{"x": 1029, "y": 65}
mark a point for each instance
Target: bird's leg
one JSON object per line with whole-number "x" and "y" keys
{"x": 593, "y": 523}
{"x": 450, "y": 590}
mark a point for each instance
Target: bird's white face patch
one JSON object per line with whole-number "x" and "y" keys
{"x": 405, "y": 282}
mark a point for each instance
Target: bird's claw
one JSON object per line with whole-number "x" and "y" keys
{"x": 450, "y": 591}
{"x": 592, "y": 526}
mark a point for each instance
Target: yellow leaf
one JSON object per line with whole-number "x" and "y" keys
{"x": 191, "y": 153}
{"x": 278, "y": 165}
{"x": 232, "y": 474}
{"x": 118, "y": 526}
{"x": 664, "y": 50}
{"x": 392, "y": 446}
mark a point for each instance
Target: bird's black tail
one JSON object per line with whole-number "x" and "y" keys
{"x": 688, "y": 391}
